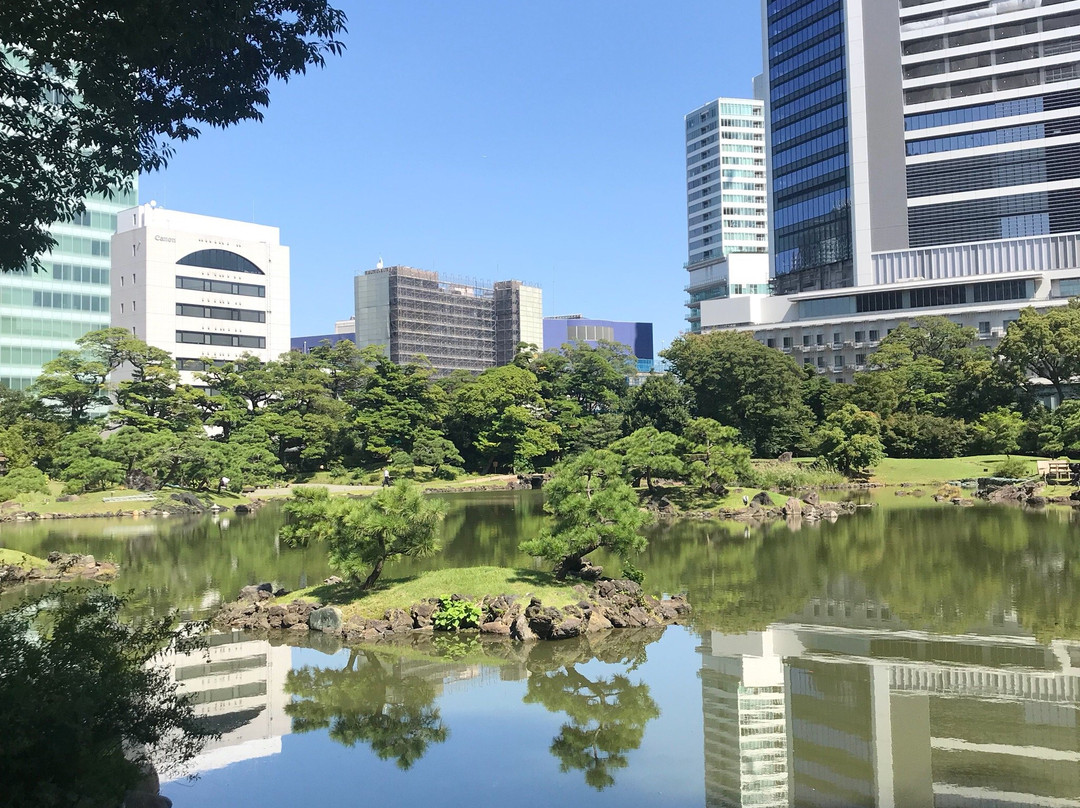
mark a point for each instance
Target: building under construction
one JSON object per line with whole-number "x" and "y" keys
{"x": 453, "y": 323}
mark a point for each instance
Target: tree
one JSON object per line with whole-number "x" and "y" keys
{"x": 661, "y": 401}
{"x": 433, "y": 450}
{"x": 649, "y": 453}
{"x": 593, "y": 507}
{"x": 925, "y": 435}
{"x": 1046, "y": 344}
{"x": 851, "y": 440}
{"x": 362, "y": 535}
{"x": 715, "y": 455}
{"x": 367, "y": 702}
{"x": 92, "y": 95}
{"x": 998, "y": 431}
{"x": 86, "y": 710}
{"x": 738, "y": 381}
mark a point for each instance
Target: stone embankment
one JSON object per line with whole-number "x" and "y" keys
{"x": 180, "y": 504}
{"x": 761, "y": 508}
{"x": 606, "y": 604}
{"x": 61, "y": 567}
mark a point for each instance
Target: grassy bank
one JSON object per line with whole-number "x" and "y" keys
{"x": 899, "y": 471}
{"x": 21, "y": 559}
{"x": 94, "y": 502}
{"x": 474, "y": 582}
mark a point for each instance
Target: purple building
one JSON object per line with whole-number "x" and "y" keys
{"x": 305, "y": 344}
{"x": 576, "y": 328}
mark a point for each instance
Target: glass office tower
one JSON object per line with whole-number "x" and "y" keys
{"x": 43, "y": 313}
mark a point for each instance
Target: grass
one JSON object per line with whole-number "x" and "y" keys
{"x": 474, "y": 582}
{"x": 773, "y": 475}
{"x": 896, "y": 471}
{"x": 94, "y": 502}
{"x": 686, "y": 498}
{"x": 21, "y": 559}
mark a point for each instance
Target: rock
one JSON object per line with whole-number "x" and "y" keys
{"x": 520, "y": 629}
{"x": 88, "y": 560}
{"x": 241, "y": 508}
{"x": 252, "y": 591}
{"x": 1037, "y": 502}
{"x": 399, "y": 620}
{"x": 10, "y": 504}
{"x": 786, "y": 457}
{"x": 570, "y": 627}
{"x": 63, "y": 498}
{"x": 812, "y": 498}
{"x": 190, "y": 500}
{"x": 641, "y": 617}
{"x": 300, "y": 627}
{"x": 333, "y": 580}
{"x": 277, "y": 610}
{"x": 422, "y": 612}
{"x": 793, "y": 507}
{"x": 289, "y": 619}
{"x": 597, "y": 622}
{"x": 496, "y": 627}
{"x": 326, "y": 619}
{"x": 763, "y": 499}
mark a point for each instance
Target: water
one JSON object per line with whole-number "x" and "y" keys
{"x": 912, "y": 655}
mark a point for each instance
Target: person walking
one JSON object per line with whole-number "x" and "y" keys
{"x": 385, "y": 477}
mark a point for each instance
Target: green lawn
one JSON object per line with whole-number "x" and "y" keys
{"x": 21, "y": 559}
{"x": 691, "y": 500}
{"x": 474, "y": 582}
{"x": 95, "y": 502}
{"x": 894, "y": 471}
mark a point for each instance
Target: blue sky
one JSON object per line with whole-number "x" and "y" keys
{"x": 483, "y": 138}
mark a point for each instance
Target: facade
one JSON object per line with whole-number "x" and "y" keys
{"x": 343, "y": 330}
{"x": 739, "y": 275}
{"x": 44, "y": 313}
{"x": 200, "y": 287}
{"x": 923, "y": 154}
{"x": 726, "y": 189}
{"x": 577, "y": 328}
{"x": 454, "y": 324}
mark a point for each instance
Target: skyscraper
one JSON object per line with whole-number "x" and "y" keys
{"x": 726, "y": 197}
{"x": 922, "y": 161}
{"x": 43, "y": 313}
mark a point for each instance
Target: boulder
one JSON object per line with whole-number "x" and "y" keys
{"x": 399, "y": 620}
{"x": 763, "y": 499}
{"x": 793, "y": 507}
{"x": 325, "y": 619}
{"x": 812, "y": 498}
{"x": 597, "y": 622}
{"x": 568, "y": 628}
{"x": 252, "y": 591}
{"x": 520, "y": 629}
{"x": 496, "y": 627}
{"x": 422, "y": 612}
{"x": 786, "y": 457}
{"x": 333, "y": 580}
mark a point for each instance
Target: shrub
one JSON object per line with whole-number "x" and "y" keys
{"x": 1013, "y": 467}
{"x": 453, "y": 615}
{"x": 776, "y": 476}
{"x": 925, "y": 436}
{"x": 23, "y": 481}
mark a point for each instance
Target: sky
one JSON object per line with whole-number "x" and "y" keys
{"x": 488, "y": 139}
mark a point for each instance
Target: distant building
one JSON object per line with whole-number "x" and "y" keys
{"x": 198, "y": 286}
{"x": 578, "y": 328}
{"x": 43, "y": 313}
{"x": 454, "y": 324}
{"x": 726, "y": 191}
{"x": 343, "y": 330}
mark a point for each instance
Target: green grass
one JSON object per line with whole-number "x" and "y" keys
{"x": 94, "y": 502}
{"x": 21, "y": 559}
{"x": 895, "y": 471}
{"x": 474, "y": 582}
{"x": 688, "y": 499}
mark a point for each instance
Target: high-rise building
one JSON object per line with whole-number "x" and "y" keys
{"x": 726, "y": 193}
{"x": 200, "y": 287}
{"x": 924, "y": 153}
{"x": 43, "y": 313}
{"x": 455, "y": 324}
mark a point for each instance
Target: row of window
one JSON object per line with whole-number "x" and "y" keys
{"x": 995, "y": 137}
{"x": 16, "y": 382}
{"x": 224, "y": 340}
{"x": 197, "y": 365}
{"x": 974, "y": 61}
{"x": 220, "y": 287}
{"x": 792, "y": 18}
{"x": 45, "y": 328}
{"x": 804, "y": 34}
{"x": 1065, "y": 99}
{"x": 95, "y": 219}
{"x": 19, "y": 355}
{"x": 81, "y": 274}
{"x": 1006, "y": 82}
{"x": 220, "y": 259}
{"x": 220, "y": 313}
{"x": 780, "y": 69}
{"x": 1015, "y": 216}
{"x": 78, "y": 245}
{"x": 66, "y": 300}
{"x": 959, "y": 39}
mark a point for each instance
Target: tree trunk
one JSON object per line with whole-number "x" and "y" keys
{"x": 376, "y": 571}
{"x": 572, "y": 563}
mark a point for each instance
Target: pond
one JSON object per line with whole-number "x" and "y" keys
{"x": 910, "y": 655}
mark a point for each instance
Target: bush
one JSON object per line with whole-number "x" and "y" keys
{"x": 1014, "y": 468}
{"x": 776, "y": 476}
{"x": 23, "y": 481}
{"x": 925, "y": 436}
{"x": 631, "y": 572}
{"x": 453, "y": 615}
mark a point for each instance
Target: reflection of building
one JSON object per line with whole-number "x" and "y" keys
{"x": 198, "y": 286}
{"x": 888, "y": 718}
{"x": 239, "y": 687}
{"x": 455, "y": 324}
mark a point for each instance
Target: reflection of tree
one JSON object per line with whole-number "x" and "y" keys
{"x": 607, "y": 714}
{"x": 368, "y": 702}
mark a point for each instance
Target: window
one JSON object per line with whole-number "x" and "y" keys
{"x": 819, "y": 339}
{"x": 838, "y": 362}
{"x": 821, "y": 361}
{"x": 220, "y": 313}
{"x": 984, "y": 327}
{"x": 220, "y": 259}
{"x": 226, "y": 340}
{"x": 860, "y": 336}
{"x": 875, "y": 335}
{"x": 220, "y": 287}
{"x": 860, "y": 359}
{"x": 771, "y": 343}
{"x": 837, "y": 338}
{"x": 806, "y": 340}
{"x": 787, "y": 342}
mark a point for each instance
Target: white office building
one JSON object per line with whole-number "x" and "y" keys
{"x": 200, "y": 287}
{"x": 923, "y": 157}
{"x": 726, "y": 192}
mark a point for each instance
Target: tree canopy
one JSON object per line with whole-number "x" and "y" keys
{"x": 91, "y": 94}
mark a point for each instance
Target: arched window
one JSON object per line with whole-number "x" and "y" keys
{"x": 220, "y": 259}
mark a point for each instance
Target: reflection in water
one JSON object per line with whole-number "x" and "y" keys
{"x": 607, "y": 714}
{"x": 806, "y": 714}
{"x": 377, "y": 698}
{"x": 238, "y": 684}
